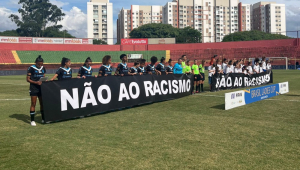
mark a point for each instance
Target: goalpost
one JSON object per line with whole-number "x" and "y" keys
{"x": 275, "y": 60}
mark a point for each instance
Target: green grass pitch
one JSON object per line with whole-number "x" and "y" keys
{"x": 194, "y": 132}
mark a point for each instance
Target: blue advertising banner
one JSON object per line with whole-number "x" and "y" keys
{"x": 261, "y": 93}
{"x": 243, "y": 97}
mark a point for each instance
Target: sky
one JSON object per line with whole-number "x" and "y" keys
{"x": 76, "y": 10}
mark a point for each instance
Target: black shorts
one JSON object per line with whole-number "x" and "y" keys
{"x": 197, "y": 77}
{"x": 35, "y": 90}
{"x": 203, "y": 75}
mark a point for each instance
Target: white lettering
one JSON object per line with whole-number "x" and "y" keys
{"x": 66, "y": 97}
{"x": 175, "y": 86}
{"x": 100, "y": 97}
{"x": 156, "y": 88}
{"x": 123, "y": 92}
{"x": 162, "y": 84}
{"x": 88, "y": 92}
{"x": 148, "y": 88}
{"x": 137, "y": 88}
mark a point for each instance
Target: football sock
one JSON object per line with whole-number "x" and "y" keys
{"x": 201, "y": 88}
{"x": 32, "y": 113}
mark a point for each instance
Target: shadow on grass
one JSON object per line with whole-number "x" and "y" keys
{"x": 26, "y": 118}
{"x": 220, "y": 107}
{"x": 23, "y": 117}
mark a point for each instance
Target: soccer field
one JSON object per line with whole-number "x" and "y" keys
{"x": 194, "y": 132}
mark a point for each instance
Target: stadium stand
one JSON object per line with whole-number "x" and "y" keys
{"x": 51, "y": 57}
{"x": 6, "y": 57}
{"x": 23, "y": 54}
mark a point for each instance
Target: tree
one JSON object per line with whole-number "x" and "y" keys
{"x": 154, "y": 31}
{"x": 186, "y": 35}
{"x": 36, "y": 17}
{"x": 9, "y": 33}
{"x": 98, "y": 42}
{"x": 252, "y": 36}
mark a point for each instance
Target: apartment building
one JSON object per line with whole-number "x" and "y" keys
{"x": 269, "y": 17}
{"x": 129, "y": 19}
{"x": 213, "y": 18}
{"x": 245, "y": 17}
{"x": 100, "y": 20}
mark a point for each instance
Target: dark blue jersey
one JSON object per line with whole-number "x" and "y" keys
{"x": 169, "y": 69}
{"x": 122, "y": 69}
{"x": 161, "y": 67}
{"x": 64, "y": 73}
{"x": 36, "y": 73}
{"x": 142, "y": 70}
{"x": 84, "y": 71}
{"x": 150, "y": 68}
{"x": 133, "y": 70}
{"x": 104, "y": 69}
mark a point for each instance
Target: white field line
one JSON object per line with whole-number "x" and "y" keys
{"x": 13, "y": 99}
{"x": 265, "y": 99}
{"x": 14, "y": 84}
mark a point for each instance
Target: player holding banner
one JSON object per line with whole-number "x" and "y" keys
{"x": 122, "y": 69}
{"x": 105, "y": 70}
{"x": 34, "y": 73}
{"x": 86, "y": 70}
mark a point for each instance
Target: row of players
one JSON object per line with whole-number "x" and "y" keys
{"x": 240, "y": 66}
{"x": 37, "y": 71}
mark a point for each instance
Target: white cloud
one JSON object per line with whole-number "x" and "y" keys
{"x": 5, "y": 22}
{"x": 59, "y": 3}
{"x": 75, "y": 22}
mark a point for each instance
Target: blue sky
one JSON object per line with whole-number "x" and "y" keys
{"x": 75, "y": 20}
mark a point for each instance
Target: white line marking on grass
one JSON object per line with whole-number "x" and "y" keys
{"x": 12, "y": 99}
{"x": 265, "y": 99}
{"x": 14, "y": 84}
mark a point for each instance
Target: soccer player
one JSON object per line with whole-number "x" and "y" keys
{"x": 142, "y": 69}
{"x": 169, "y": 68}
{"x": 177, "y": 69}
{"x": 224, "y": 65}
{"x": 183, "y": 58}
{"x": 105, "y": 70}
{"x": 211, "y": 72}
{"x": 269, "y": 66}
{"x": 34, "y": 73}
{"x": 195, "y": 70}
{"x": 202, "y": 75}
{"x": 219, "y": 65}
{"x": 264, "y": 64}
{"x": 261, "y": 67}
{"x": 249, "y": 68}
{"x": 229, "y": 68}
{"x": 161, "y": 66}
{"x": 256, "y": 69}
{"x": 151, "y": 67}
{"x": 64, "y": 72}
{"x": 86, "y": 70}
{"x": 134, "y": 69}
{"x": 238, "y": 68}
{"x": 122, "y": 69}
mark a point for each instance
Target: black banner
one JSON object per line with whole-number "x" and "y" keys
{"x": 237, "y": 80}
{"x": 74, "y": 98}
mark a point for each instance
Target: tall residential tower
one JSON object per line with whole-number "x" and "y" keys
{"x": 100, "y": 20}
